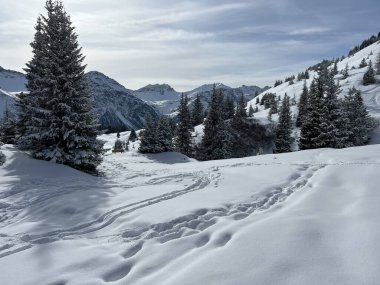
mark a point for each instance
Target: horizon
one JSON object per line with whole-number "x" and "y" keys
{"x": 187, "y": 44}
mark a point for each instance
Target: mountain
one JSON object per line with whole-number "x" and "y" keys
{"x": 116, "y": 106}
{"x": 166, "y": 100}
{"x": 161, "y": 96}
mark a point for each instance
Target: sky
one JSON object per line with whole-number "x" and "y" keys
{"x": 187, "y": 43}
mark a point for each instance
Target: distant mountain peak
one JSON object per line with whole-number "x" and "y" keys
{"x": 161, "y": 88}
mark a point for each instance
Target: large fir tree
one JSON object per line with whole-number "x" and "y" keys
{"x": 283, "y": 139}
{"x": 215, "y": 143}
{"x": 61, "y": 126}
{"x": 164, "y": 135}
{"x": 184, "y": 127}
{"x": 302, "y": 105}
{"x": 197, "y": 114}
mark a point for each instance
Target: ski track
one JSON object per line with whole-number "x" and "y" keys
{"x": 183, "y": 226}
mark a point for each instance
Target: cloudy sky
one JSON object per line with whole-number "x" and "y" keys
{"x": 186, "y": 43}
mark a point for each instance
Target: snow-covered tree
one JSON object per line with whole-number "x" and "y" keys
{"x": 61, "y": 126}
{"x": 345, "y": 72}
{"x": 378, "y": 64}
{"x": 363, "y": 63}
{"x": 8, "y": 127}
{"x": 283, "y": 139}
{"x": 164, "y": 135}
{"x": 369, "y": 76}
{"x": 149, "y": 142}
{"x": 197, "y": 114}
{"x": 184, "y": 127}
{"x": 215, "y": 143}
{"x": 302, "y": 105}
{"x": 251, "y": 111}
{"x": 359, "y": 122}
{"x": 229, "y": 108}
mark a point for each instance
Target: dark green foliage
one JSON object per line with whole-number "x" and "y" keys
{"x": 132, "y": 136}
{"x": 164, "y": 135}
{"x": 345, "y": 72}
{"x": 184, "y": 127}
{"x": 57, "y": 120}
{"x": 369, "y": 76}
{"x": 216, "y": 140}
{"x": 363, "y": 63}
{"x": 229, "y": 108}
{"x": 250, "y": 111}
{"x": 378, "y": 64}
{"x": 373, "y": 39}
{"x": 8, "y": 127}
{"x": 277, "y": 83}
{"x": 284, "y": 139}
{"x": 197, "y": 114}
{"x": 148, "y": 137}
{"x": 302, "y": 105}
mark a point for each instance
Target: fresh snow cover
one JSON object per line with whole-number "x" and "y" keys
{"x": 307, "y": 217}
{"x": 371, "y": 93}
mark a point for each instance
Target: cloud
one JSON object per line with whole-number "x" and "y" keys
{"x": 186, "y": 43}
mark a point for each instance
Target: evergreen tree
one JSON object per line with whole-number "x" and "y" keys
{"x": 257, "y": 100}
{"x": 302, "y": 105}
{"x": 118, "y": 146}
{"x": 215, "y": 143}
{"x": 378, "y": 64}
{"x": 240, "y": 109}
{"x": 184, "y": 127}
{"x": 229, "y": 108}
{"x": 132, "y": 136}
{"x": 61, "y": 125}
{"x": 310, "y": 130}
{"x": 8, "y": 127}
{"x": 283, "y": 139}
{"x": 335, "y": 68}
{"x": 164, "y": 135}
{"x": 149, "y": 141}
{"x": 250, "y": 111}
{"x": 307, "y": 76}
{"x": 360, "y": 124}
{"x": 345, "y": 72}
{"x": 369, "y": 76}
{"x": 363, "y": 63}
{"x": 197, "y": 112}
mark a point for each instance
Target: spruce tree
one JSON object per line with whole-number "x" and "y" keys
{"x": 378, "y": 64}
{"x": 229, "y": 108}
{"x": 283, "y": 139}
{"x": 360, "y": 124}
{"x": 215, "y": 142}
{"x": 302, "y": 105}
{"x": 184, "y": 127}
{"x": 61, "y": 126}
{"x": 149, "y": 141}
{"x": 345, "y": 72}
{"x": 197, "y": 114}
{"x": 132, "y": 136}
{"x": 363, "y": 63}
{"x": 250, "y": 111}
{"x": 164, "y": 135}
{"x": 8, "y": 127}
{"x": 369, "y": 76}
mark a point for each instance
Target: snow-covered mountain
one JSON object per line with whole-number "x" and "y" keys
{"x": 370, "y": 94}
{"x": 116, "y": 106}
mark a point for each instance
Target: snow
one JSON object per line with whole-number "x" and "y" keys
{"x": 164, "y": 219}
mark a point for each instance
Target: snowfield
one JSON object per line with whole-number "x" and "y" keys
{"x": 309, "y": 217}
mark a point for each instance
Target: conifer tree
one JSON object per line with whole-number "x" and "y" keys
{"x": 215, "y": 143}
{"x": 345, "y": 72}
{"x": 8, "y": 127}
{"x": 197, "y": 114}
{"x": 62, "y": 126}
{"x": 184, "y": 127}
{"x": 164, "y": 135}
{"x": 302, "y": 105}
{"x": 283, "y": 139}
{"x": 149, "y": 141}
{"x": 369, "y": 76}
{"x": 363, "y": 63}
{"x": 257, "y": 101}
{"x": 132, "y": 136}
{"x": 229, "y": 108}
{"x": 360, "y": 124}
{"x": 378, "y": 64}
{"x": 250, "y": 111}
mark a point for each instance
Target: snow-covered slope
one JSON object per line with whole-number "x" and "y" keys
{"x": 116, "y": 106}
{"x": 6, "y": 100}
{"x": 163, "y": 219}
{"x": 371, "y": 94}
{"x": 162, "y": 96}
